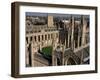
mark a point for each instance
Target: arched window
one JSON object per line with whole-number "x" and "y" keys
{"x": 27, "y": 40}
{"x": 42, "y": 37}
{"x": 39, "y": 38}
{"x": 71, "y": 62}
{"x": 45, "y": 37}
{"x": 35, "y": 38}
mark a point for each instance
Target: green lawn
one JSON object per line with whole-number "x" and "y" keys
{"x": 47, "y": 50}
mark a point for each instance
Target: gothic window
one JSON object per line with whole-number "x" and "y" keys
{"x": 45, "y": 37}
{"x": 35, "y": 38}
{"x": 39, "y": 38}
{"x": 30, "y": 60}
{"x": 30, "y": 38}
{"x": 27, "y": 40}
{"x": 71, "y": 62}
{"x": 42, "y": 37}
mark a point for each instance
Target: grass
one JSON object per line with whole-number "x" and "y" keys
{"x": 47, "y": 50}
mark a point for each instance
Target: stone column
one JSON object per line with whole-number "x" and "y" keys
{"x": 78, "y": 37}
{"x": 44, "y": 37}
{"x": 26, "y": 55}
{"x": 33, "y": 40}
{"x": 53, "y": 55}
{"x": 63, "y": 55}
{"x": 40, "y": 42}
{"x": 47, "y": 37}
{"x": 68, "y": 36}
{"x": 65, "y": 42}
{"x": 72, "y": 35}
{"x": 40, "y": 38}
{"x": 84, "y": 31}
{"x": 36, "y": 38}
{"x": 50, "y": 36}
{"x": 52, "y": 58}
{"x": 53, "y": 36}
{"x": 32, "y": 54}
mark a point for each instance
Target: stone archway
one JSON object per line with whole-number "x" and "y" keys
{"x": 70, "y": 61}
{"x": 70, "y": 58}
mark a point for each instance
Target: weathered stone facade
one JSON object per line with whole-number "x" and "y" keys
{"x": 69, "y": 41}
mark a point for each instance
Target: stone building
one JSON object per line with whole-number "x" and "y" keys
{"x": 69, "y": 39}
